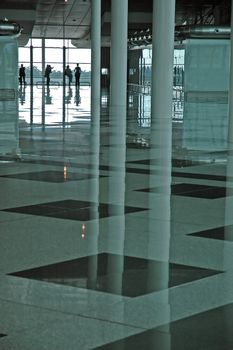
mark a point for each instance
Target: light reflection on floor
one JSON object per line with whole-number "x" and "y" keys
{"x": 54, "y": 104}
{"x": 101, "y": 215}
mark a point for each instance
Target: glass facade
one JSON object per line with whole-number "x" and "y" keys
{"x": 32, "y": 56}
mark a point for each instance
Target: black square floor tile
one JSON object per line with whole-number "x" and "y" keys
{"x": 117, "y": 274}
{"x": 50, "y": 176}
{"x": 193, "y": 190}
{"x": 198, "y": 191}
{"x": 179, "y": 163}
{"x": 142, "y": 161}
{"x": 199, "y": 176}
{"x": 210, "y": 330}
{"x": 74, "y": 210}
{"x": 139, "y": 171}
{"x": 137, "y": 145}
{"x": 224, "y": 233}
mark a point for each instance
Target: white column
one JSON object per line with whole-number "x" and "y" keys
{"x": 118, "y": 59}
{"x": 43, "y": 82}
{"x": 228, "y": 232}
{"x": 117, "y": 141}
{"x": 230, "y": 99}
{"x": 95, "y": 54}
{"x": 162, "y": 59}
{"x": 161, "y": 148}
{"x": 31, "y": 85}
{"x": 95, "y": 139}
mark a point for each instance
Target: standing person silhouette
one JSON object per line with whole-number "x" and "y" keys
{"x": 69, "y": 74}
{"x": 77, "y": 73}
{"x": 22, "y": 75}
{"x": 47, "y": 73}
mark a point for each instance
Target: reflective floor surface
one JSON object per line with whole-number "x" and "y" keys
{"x": 115, "y": 235}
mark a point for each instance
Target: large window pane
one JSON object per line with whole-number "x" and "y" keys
{"x": 37, "y": 54}
{"x": 53, "y": 55}
{"x": 55, "y": 43}
{"x": 78, "y": 55}
{"x": 37, "y": 73}
{"x": 24, "y": 54}
{"x": 34, "y": 42}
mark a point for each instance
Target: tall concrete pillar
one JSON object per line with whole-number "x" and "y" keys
{"x": 43, "y": 83}
{"x": 162, "y": 58}
{"x": 95, "y": 53}
{"x": 63, "y": 84}
{"x": 228, "y": 231}
{"x": 161, "y": 149}
{"x": 31, "y": 85}
{"x": 117, "y": 139}
{"x": 118, "y": 59}
{"x": 95, "y": 138}
{"x": 230, "y": 99}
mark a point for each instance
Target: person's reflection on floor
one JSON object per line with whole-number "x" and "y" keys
{"x": 69, "y": 96}
{"x": 48, "y": 98}
{"x": 22, "y": 94}
{"x": 77, "y": 98}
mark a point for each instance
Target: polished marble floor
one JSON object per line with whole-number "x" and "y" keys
{"x": 114, "y": 235}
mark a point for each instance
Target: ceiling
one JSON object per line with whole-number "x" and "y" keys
{"x": 71, "y": 18}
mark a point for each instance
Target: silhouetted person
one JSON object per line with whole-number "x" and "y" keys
{"x": 77, "y": 73}
{"x": 22, "y": 75}
{"x": 69, "y": 74}
{"x": 47, "y": 73}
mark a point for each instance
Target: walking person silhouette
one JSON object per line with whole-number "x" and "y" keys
{"x": 22, "y": 75}
{"x": 47, "y": 73}
{"x": 77, "y": 73}
{"x": 69, "y": 74}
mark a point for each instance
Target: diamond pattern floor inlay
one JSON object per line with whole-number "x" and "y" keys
{"x": 50, "y": 176}
{"x": 221, "y": 233}
{"x": 179, "y": 163}
{"x": 198, "y": 191}
{"x": 154, "y": 269}
{"x": 75, "y": 210}
{"x": 193, "y": 190}
{"x": 117, "y": 274}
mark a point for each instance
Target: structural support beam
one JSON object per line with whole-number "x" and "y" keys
{"x": 118, "y": 60}
{"x": 31, "y": 85}
{"x": 43, "y": 81}
{"x": 95, "y": 139}
{"x": 161, "y": 148}
{"x": 31, "y": 65}
{"x": 95, "y": 93}
{"x": 230, "y": 99}
{"x": 95, "y": 52}
{"x": 117, "y": 141}
{"x": 64, "y": 83}
{"x": 162, "y": 59}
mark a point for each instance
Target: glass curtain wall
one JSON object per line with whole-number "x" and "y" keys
{"x": 36, "y": 99}
{"x": 145, "y": 66}
{"x": 54, "y": 57}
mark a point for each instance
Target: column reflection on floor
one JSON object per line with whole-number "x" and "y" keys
{"x": 54, "y": 105}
